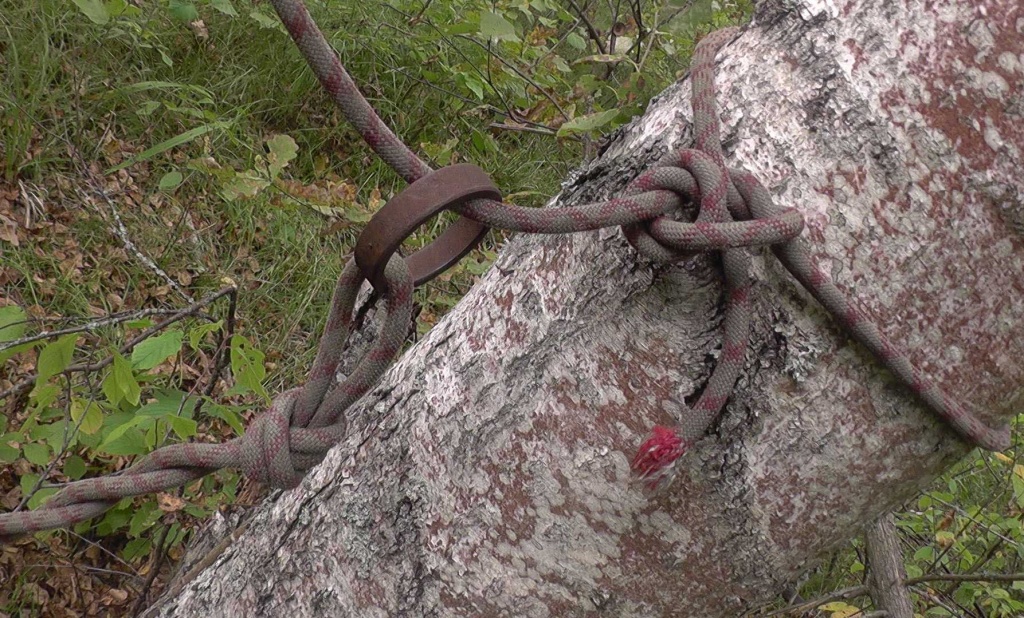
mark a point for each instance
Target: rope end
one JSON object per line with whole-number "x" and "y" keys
{"x": 656, "y": 458}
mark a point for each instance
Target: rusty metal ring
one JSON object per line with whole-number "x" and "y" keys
{"x": 445, "y": 188}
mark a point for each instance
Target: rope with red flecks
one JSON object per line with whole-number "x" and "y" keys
{"x": 747, "y": 198}
{"x": 735, "y": 211}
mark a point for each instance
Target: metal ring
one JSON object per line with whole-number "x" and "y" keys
{"x": 445, "y": 188}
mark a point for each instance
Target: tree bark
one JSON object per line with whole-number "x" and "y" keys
{"x": 886, "y": 569}
{"x": 488, "y": 474}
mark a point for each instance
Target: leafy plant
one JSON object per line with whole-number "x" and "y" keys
{"x": 194, "y": 131}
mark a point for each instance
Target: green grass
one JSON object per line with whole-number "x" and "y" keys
{"x": 71, "y": 97}
{"x": 94, "y": 117}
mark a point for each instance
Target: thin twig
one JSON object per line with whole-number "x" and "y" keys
{"x": 84, "y": 567}
{"x": 973, "y": 520}
{"x": 937, "y": 601}
{"x": 66, "y": 442}
{"x": 88, "y": 327}
{"x": 99, "y": 547}
{"x": 845, "y": 593}
{"x": 416, "y": 18}
{"x": 594, "y": 36}
{"x": 223, "y": 349}
{"x": 856, "y": 591}
{"x": 642, "y": 59}
{"x": 551, "y": 51}
{"x": 122, "y": 233}
{"x": 193, "y": 309}
{"x": 518, "y": 72}
{"x": 160, "y": 551}
{"x": 509, "y": 127}
{"x": 975, "y": 577}
{"x": 473, "y": 65}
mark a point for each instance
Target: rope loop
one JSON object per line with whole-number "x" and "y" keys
{"x": 684, "y": 172}
{"x": 281, "y": 445}
{"x": 265, "y": 449}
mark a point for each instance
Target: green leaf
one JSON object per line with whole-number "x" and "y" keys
{"x": 121, "y": 431}
{"x": 185, "y": 428}
{"x": 50, "y": 433}
{"x": 588, "y": 123}
{"x": 575, "y": 41}
{"x": 203, "y": 94}
{"x": 27, "y": 482}
{"x": 224, "y": 6}
{"x": 484, "y": 143}
{"x": 965, "y": 593}
{"x": 13, "y": 323}
{"x": 282, "y": 149}
{"x": 167, "y": 144}
{"x": 137, "y": 548}
{"x": 121, "y": 384}
{"x": 168, "y": 403}
{"x": 36, "y": 453}
{"x": 245, "y": 184}
{"x": 18, "y": 349}
{"x": 144, "y": 516}
{"x": 112, "y": 520}
{"x": 185, "y": 11}
{"x": 197, "y": 512}
{"x": 117, "y": 8}
{"x": 605, "y": 59}
{"x": 41, "y": 497}
{"x": 156, "y": 350}
{"x": 90, "y": 414}
{"x": 472, "y": 82}
{"x": 228, "y": 415}
{"x": 265, "y": 21}
{"x": 125, "y": 379}
{"x": 74, "y": 467}
{"x": 463, "y": 26}
{"x": 999, "y": 593}
{"x": 9, "y": 453}
{"x": 170, "y": 181}
{"x": 55, "y": 357}
{"x": 247, "y": 367}
{"x": 132, "y": 442}
{"x": 43, "y": 395}
{"x": 196, "y": 334}
{"x": 163, "y": 56}
{"x": 95, "y": 10}
{"x": 841, "y": 609}
{"x": 494, "y": 26}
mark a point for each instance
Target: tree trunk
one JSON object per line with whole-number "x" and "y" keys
{"x": 488, "y": 474}
{"x": 886, "y": 569}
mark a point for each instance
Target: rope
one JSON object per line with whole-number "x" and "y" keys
{"x": 735, "y": 211}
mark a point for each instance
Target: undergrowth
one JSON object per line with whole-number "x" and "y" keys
{"x": 155, "y": 152}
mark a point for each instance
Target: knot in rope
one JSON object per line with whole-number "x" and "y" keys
{"x": 282, "y": 444}
{"x": 698, "y": 178}
{"x": 265, "y": 449}
{"x": 734, "y": 211}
